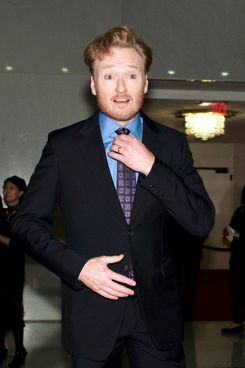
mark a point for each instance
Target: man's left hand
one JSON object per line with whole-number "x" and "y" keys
{"x": 133, "y": 153}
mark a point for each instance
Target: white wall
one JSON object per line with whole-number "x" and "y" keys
{"x": 31, "y": 106}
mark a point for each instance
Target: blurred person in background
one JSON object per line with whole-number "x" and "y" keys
{"x": 235, "y": 233}
{"x": 12, "y": 271}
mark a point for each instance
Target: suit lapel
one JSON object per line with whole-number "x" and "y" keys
{"x": 93, "y": 154}
{"x": 150, "y": 141}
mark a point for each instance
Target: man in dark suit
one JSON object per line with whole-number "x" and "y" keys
{"x": 119, "y": 285}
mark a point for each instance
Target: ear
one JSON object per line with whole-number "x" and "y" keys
{"x": 146, "y": 85}
{"x": 92, "y": 85}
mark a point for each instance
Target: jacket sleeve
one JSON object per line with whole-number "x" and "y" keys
{"x": 180, "y": 189}
{"x": 34, "y": 221}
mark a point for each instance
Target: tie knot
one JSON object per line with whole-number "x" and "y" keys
{"x": 123, "y": 131}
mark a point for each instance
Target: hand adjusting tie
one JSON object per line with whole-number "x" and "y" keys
{"x": 120, "y": 131}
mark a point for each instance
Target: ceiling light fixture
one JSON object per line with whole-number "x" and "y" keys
{"x": 65, "y": 70}
{"x": 205, "y": 124}
{"x": 9, "y": 68}
{"x": 204, "y": 104}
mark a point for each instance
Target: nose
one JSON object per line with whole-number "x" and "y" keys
{"x": 120, "y": 87}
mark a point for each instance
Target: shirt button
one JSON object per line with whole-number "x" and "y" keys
{"x": 125, "y": 268}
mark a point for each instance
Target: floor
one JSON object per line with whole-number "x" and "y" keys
{"x": 205, "y": 347}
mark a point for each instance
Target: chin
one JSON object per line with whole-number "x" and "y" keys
{"x": 120, "y": 116}
{"x": 123, "y": 118}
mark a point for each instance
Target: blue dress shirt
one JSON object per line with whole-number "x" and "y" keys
{"x": 108, "y": 129}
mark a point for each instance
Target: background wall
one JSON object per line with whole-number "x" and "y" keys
{"x": 223, "y": 177}
{"x": 31, "y": 106}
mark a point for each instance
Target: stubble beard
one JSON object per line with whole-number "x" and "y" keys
{"x": 124, "y": 115}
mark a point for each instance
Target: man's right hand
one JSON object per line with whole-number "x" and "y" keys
{"x": 97, "y": 276}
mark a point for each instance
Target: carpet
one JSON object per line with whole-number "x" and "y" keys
{"x": 213, "y": 302}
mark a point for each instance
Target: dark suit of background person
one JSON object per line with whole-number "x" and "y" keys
{"x": 237, "y": 269}
{"x": 73, "y": 173}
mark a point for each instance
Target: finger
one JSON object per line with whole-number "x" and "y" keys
{"x": 112, "y": 259}
{"x": 119, "y": 287}
{"x": 112, "y": 288}
{"x": 124, "y": 138}
{"x": 118, "y": 293}
{"x": 121, "y": 278}
{"x": 116, "y": 148}
{"x": 107, "y": 295}
{"x": 117, "y": 156}
{"x": 121, "y": 142}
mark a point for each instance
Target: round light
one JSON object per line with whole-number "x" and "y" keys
{"x": 64, "y": 70}
{"x": 9, "y": 68}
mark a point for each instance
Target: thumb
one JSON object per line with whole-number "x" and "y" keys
{"x": 113, "y": 259}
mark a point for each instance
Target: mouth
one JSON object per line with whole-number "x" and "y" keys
{"x": 121, "y": 100}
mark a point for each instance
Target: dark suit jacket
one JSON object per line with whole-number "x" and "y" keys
{"x": 73, "y": 173}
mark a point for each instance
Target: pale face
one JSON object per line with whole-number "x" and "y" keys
{"x": 119, "y": 84}
{"x": 11, "y": 194}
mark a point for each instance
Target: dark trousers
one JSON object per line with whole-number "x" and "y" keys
{"x": 237, "y": 311}
{"x": 141, "y": 351}
{"x": 236, "y": 278}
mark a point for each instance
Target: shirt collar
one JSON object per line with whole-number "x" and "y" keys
{"x": 108, "y": 126}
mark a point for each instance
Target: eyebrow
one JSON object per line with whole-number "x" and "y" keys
{"x": 112, "y": 66}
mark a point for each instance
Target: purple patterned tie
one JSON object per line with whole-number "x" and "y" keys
{"x": 126, "y": 183}
{"x": 126, "y": 186}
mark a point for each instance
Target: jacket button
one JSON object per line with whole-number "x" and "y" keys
{"x": 125, "y": 268}
{"x": 130, "y": 233}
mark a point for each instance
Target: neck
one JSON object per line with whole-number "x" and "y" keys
{"x": 13, "y": 203}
